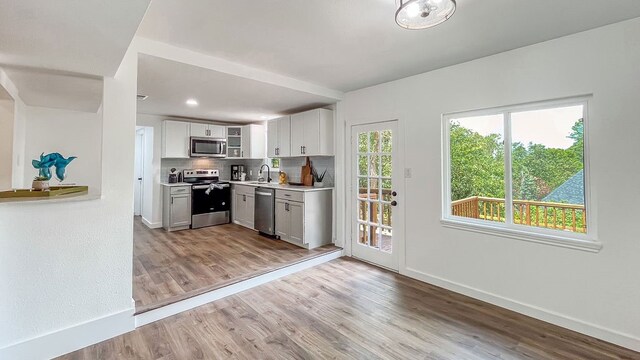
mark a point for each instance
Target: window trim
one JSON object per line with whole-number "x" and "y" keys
{"x": 587, "y": 241}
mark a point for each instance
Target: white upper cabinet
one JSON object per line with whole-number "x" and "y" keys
{"x": 208, "y": 130}
{"x": 279, "y": 137}
{"x": 175, "y": 139}
{"x": 246, "y": 142}
{"x": 312, "y": 133}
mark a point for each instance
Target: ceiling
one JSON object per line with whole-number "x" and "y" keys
{"x": 347, "y": 45}
{"x": 57, "y": 90}
{"x": 221, "y": 96}
{"x": 86, "y": 37}
{"x": 56, "y": 52}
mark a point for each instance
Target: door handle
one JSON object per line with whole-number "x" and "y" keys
{"x": 301, "y": 150}
{"x": 244, "y": 197}
{"x": 304, "y": 149}
{"x": 139, "y": 178}
{"x": 286, "y": 207}
{"x": 394, "y": 203}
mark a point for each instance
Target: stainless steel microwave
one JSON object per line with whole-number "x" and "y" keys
{"x": 208, "y": 147}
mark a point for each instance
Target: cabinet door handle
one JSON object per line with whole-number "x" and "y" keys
{"x": 242, "y": 153}
{"x": 305, "y": 149}
{"x": 286, "y": 207}
{"x": 301, "y": 150}
{"x": 172, "y": 201}
{"x": 244, "y": 197}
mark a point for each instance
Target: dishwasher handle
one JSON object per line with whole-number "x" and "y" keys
{"x": 263, "y": 193}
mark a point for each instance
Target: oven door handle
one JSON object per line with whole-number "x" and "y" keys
{"x": 200, "y": 187}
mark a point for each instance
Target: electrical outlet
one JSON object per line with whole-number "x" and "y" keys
{"x": 407, "y": 173}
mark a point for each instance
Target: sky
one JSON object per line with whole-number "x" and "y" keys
{"x": 549, "y": 127}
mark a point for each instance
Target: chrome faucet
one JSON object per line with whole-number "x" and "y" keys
{"x": 261, "y": 178}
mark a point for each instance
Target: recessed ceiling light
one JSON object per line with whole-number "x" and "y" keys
{"x": 192, "y": 102}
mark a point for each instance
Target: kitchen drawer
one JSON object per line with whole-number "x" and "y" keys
{"x": 245, "y": 189}
{"x": 180, "y": 190}
{"x": 290, "y": 195}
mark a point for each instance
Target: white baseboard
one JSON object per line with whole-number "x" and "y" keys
{"x": 596, "y": 331}
{"x": 188, "y": 304}
{"x": 69, "y": 339}
{"x": 151, "y": 225}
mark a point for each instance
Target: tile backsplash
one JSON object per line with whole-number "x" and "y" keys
{"x": 223, "y": 165}
{"x": 292, "y": 166}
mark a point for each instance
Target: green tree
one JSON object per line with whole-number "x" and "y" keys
{"x": 477, "y": 164}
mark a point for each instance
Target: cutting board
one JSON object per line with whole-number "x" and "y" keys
{"x": 305, "y": 175}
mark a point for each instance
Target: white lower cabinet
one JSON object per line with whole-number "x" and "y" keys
{"x": 243, "y": 207}
{"x": 176, "y": 208}
{"x": 304, "y": 218}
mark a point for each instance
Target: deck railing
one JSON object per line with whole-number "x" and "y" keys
{"x": 559, "y": 216}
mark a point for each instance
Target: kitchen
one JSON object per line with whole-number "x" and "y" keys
{"x": 227, "y": 200}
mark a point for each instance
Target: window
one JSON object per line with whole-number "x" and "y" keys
{"x": 275, "y": 164}
{"x": 519, "y": 169}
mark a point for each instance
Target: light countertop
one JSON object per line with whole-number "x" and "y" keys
{"x": 282, "y": 187}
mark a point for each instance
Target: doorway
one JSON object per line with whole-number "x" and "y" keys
{"x": 377, "y": 194}
{"x": 139, "y": 170}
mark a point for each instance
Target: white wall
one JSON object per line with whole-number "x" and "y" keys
{"x": 66, "y": 268}
{"x": 19, "y": 114}
{"x": 596, "y": 293}
{"x": 70, "y": 133}
{"x": 152, "y": 197}
{"x": 6, "y": 142}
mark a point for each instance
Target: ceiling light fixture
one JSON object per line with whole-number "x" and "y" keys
{"x": 192, "y": 102}
{"x": 422, "y": 14}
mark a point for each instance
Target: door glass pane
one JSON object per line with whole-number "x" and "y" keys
{"x": 363, "y": 169}
{"x": 363, "y": 210}
{"x": 386, "y": 190}
{"x": 363, "y": 234}
{"x": 387, "y": 211}
{"x": 386, "y": 237}
{"x": 477, "y": 167}
{"x": 547, "y": 160}
{"x": 386, "y": 141}
{"x": 362, "y": 188}
{"x": 362, "y": 142}
{"x": 375, "y": 237}
{"x": 374, "y": 141}
{"x": 386, "y": 165}
{"x": 374, "y": 165}
{"x": 375, "y": 212}
{"x": 374, "y": 188}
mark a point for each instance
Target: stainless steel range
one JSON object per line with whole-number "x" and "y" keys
{"x": 210, "y": 197}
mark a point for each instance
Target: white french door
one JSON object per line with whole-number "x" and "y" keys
{"x": 377, "y": 193}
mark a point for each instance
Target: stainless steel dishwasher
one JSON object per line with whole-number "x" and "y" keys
{"x": 265, "y": 218}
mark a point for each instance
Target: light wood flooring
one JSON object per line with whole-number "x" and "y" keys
{"x": 169, "y": 267}
{"x": 346, "y": 309}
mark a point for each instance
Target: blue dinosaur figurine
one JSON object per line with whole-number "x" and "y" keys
{"x": 54, "y": 159}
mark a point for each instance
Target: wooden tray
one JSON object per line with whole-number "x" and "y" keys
{"x": 51, "y": 193}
